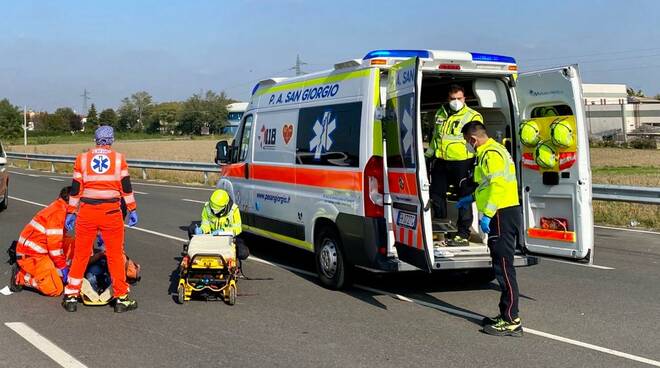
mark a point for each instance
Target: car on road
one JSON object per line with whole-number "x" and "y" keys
{"x": 4, "y": 179}
{"x": 333, "y": 162}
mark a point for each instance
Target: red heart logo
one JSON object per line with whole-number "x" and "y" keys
{"x": 287, "y": 132}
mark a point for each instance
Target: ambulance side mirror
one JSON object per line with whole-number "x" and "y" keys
{"x": 223, "y": 152}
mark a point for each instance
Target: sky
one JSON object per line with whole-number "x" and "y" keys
{"x": 50, "y": 51}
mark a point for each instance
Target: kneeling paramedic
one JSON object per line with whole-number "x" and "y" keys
{"x": 453, "y": 161}
{"x": 40, "y": 259}
{"x": 497, "y": 199}
{"x": 220, "y": 214}
{"x": 100, "y": 181}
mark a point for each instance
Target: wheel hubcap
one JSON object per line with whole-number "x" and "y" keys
{"x": 328, "y": 258}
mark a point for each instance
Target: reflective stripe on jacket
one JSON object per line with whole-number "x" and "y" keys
{"x": 495, "y": 175}
{"x": 211, "y": 222}
{"x": 44, "y": 233}
{"x": 448, "y": 142}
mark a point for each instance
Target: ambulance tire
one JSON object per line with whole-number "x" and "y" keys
{"x": 331, "y": 266}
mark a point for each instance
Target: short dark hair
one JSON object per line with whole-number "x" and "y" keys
{"x": 456, "y": 88}
{"x": 474, "y": 128}
{"x": 64, "y": 193}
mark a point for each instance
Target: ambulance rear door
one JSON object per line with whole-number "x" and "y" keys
{"x": 555, "y": 169}
{"x": 406, "y": 168}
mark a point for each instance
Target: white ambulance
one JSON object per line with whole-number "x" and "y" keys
{"x": 333, "y": 162}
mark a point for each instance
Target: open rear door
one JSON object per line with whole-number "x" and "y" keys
{"x": 556, "y": 172}
{"x": 406, "y": 168}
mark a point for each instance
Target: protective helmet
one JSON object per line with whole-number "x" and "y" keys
{"x": 529, "y": 133}
{"x": 220, "y": 203}
{"x": 561, "y": 133}
{"x": 548, "y": 111}
{"x": 545, "y": 155}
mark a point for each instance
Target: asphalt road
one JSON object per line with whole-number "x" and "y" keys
{"x": 575, "y": 315}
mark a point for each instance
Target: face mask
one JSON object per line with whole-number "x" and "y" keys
{"x": 455, "y": 105}
{"x": 470, "y": 147}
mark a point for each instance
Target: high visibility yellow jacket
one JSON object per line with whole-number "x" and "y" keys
{"x": 447, "y": 142}
{"x": 495, "y": 175}
{"x": 230, "y": 222}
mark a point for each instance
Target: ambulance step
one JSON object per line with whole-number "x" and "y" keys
{"x": 443, "y": 226}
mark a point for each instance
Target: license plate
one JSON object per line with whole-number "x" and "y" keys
{"x": 406, "y": 219}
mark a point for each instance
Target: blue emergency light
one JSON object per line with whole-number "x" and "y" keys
{"x": 424, "y": 54}
{"x": 476, "y": 56}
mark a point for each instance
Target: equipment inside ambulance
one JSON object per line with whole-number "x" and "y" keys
{"x": 333, "y": 162}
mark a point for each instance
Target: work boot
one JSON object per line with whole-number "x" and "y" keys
{"x": 504, "y": 328}
{"x": 70, "y": 303}
{"x": 14, "y": 286}
{"x": 125, "y": 304}
{"x": 458, "y": 241}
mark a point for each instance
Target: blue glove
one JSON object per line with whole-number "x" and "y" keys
{"x": 198, "y": 230}
{"x": 484, "y": 223}
{"x": 132, "y": 218}
{"x": 216, "y": 232}
{"x": 465, "y": 202}
{"x": 70, "y": 221}
{"x": 65, "y": 273}
{"x": 99, "y": 241}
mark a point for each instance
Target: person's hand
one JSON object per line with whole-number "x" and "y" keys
{"x": 464, "y": 202}
{"x": 70, "y": 221}
{"x": 99, "y": 241}
{"x": 132, "y": 218}
{"x": 484, "y": 223}
{"x": 64, "y": 272}
{"x": 216, "y": 232}
{"x": 198, "y": 230}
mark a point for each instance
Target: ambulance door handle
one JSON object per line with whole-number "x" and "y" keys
{"x": 247, "y": 170}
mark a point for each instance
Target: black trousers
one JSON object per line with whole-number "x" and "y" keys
{"x": 502, "y": 239}
{"x": 242, "y": 251}
{"x": 458, "y": 174}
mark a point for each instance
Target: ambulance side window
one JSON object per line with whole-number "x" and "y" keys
{"x": 244, "y": 142}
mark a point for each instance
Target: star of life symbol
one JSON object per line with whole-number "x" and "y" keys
{"x": 322, "y": 130}
{"x": 407, "y": 121}
{"x": 100, "y": 164}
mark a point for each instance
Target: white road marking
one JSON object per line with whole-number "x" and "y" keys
{"x": 55, "y": 179}
{"x": 174, "y": 186}
{"x": 26, "y": 201}
{"x": 431, "y": 305}
{"x": 60, "y": 356}
{"x": 136, "y": 192}
{"x": 576, "y": 263}
{"x": 631, "y": 230}
{"x": 192, "y": 200}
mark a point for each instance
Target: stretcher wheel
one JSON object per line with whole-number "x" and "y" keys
{"x": 231, "y": 295}
{"x": 180, "y": 294}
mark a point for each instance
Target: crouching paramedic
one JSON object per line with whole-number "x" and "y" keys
{"x": 100, "y": 181}
{"x": 497, "y": 200}
{"x": 220, "y": 214}
{"x": 39, "y": 251}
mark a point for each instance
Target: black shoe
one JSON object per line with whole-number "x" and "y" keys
{"x": 490, "y": 320}
{"x": 125, "y": 304}
{"x": 70, "y": 303}
{"x": 13, "y": 284}
{"x": 505, "y": 328}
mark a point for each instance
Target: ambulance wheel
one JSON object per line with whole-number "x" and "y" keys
{"x": 231, "y": 295}
{"x": 331, "y": 266}
{"x": 180, "y": 295}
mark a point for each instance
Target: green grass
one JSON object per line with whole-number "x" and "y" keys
{"x": 627, "y": 170}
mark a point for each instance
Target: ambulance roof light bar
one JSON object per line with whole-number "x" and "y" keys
{"x": 476, "y": 56}
{"x": 423, "y": 54}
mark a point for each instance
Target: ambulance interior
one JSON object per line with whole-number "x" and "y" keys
{"x": 488, "y": 96}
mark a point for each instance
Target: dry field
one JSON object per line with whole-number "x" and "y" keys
{"x": 609, "y": 166}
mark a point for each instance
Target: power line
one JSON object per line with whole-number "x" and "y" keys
{"x": 298, "y": 67}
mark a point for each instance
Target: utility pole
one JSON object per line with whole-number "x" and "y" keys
{"x": 25, "y": 125}
{"x": 85, "y": 97}
{"x": 298, "y": 66}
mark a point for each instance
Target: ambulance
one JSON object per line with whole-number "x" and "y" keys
{"x": 333, "y": 162}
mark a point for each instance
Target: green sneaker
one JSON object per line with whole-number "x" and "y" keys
{"x": 458, "y": 241}
{"x": 505, "y": 328}
{"x": 125, "y": 304}
{"x": 491, "y": 320}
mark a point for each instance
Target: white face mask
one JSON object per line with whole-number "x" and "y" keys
{"x": 455, "y": 105}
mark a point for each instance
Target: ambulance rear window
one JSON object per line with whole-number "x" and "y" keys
{"x": 553, "y": 110}
{"x": 329, "y": 135}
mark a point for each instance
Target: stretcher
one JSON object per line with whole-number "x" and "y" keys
{"x": 209, "y": 269}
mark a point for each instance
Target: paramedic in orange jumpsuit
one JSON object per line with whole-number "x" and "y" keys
{"x": 39, "y": 251}
{"x": 100, "y": 181}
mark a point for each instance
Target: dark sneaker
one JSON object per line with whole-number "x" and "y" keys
{"x": 125, "y": 304}
{"x": 458, "y": 241}
{"x": 13, "y": 283}
{"x": 505, "y": 328}
{"x": 70, "y": 303}
{"x": 490, "y": 320}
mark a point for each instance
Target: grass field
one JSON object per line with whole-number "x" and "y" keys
{"x": 609, "y": 166}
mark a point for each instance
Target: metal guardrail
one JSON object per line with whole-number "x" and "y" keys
{"x": 139, "y": 164}
{"x": 601, "y": 192}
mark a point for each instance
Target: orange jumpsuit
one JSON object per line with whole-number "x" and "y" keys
{"x": 100, "y": 180}
{"x": 39, "y": 252}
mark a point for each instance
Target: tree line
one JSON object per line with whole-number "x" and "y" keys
{"x": 200, "y": 113}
